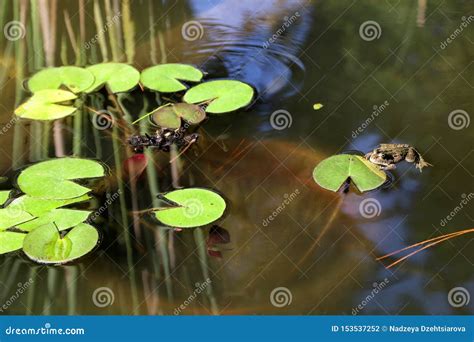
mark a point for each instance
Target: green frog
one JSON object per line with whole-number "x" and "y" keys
{"x": 387, "y": 155}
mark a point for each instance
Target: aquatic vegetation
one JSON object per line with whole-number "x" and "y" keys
{"x": 47, "y": 105}
{"x": 165, "y": 78}
{"x": 75, "y": 79}
{"x": 10, "y": 241}
{"x": 172, "y": 116}
{"x": 334, "y": 171}
{"x": 117, "y": 77}
{"x": 191, "y": 207}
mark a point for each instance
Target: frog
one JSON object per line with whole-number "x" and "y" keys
{"x": 385, "y": 156}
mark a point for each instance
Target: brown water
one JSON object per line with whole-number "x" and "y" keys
{"x": 319, "y": 247}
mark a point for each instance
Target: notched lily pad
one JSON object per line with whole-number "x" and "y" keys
{"x": 40, "y": 206}
{"x": 223, "y": 95}
{"x": 118, "y": 77}
{"x": 4, "y": 195}
{"x": 45, "y": 245}
{"x": 11, "y": 217}
{"x": 73, "y": 78}
{"x": 332, "y": 172}
{"x": 53, "y": 179}
{"x": 166, "y": 78}
{"x": 170, "y": 116}
{"x": 63, "y": 218}
{"x": 46, "y": 105}
{"x": 11, "y": 241}
{"x": 192, "y": 207}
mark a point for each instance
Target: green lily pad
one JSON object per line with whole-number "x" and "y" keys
{"x": 73, "y": 78}
{"x": 45, "y": 245}
{"x": 166, "y": 78}
{"x": 193, "y": 207}
{"x": 4, "y": 195}
{"x": 118, "y": 77}
{"x": 53, "y": 179}
{"x": 11, "y": 241}
{"x": 40, "y": 206}
{"x": 170, "y": 116}
{"x": 332, "y": 172}
{"x": 224, "y": 95}
{"x": 45, "y": 105}
{"x": 63, "y": 218}
{"x": 11, "y": 217}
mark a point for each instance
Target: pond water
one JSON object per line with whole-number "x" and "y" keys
{"x": 285, "y": 246}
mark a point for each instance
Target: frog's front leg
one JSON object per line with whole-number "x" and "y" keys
{"x": 412, "y": 155}
{"x": 388, "y": 167}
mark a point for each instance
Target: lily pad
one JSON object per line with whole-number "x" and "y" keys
{"x": 46, "y": 105}
{"x": 63, "y": 218}
{"x": 53, "y": 179}
{"x": 332, "y": 172}
{"x": 73, "y": 78}
{"x": 10, "y": 217}
{"x": 170, "y": 116}
{"x": 192, "y": 207}
{"x": 45, "y": 245}
{"x": 4, "y": 195}
{"x": 118, "y": 77}
{"x": 224, "y": 95}
{"x": 166, "y": 78}
{"x": 11, "y": 241}
{"x": 40, "y": 206}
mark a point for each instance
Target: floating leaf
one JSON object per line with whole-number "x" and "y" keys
{"x": 166, "y": 78}
{"x": 318, "y": 106}
{"x": 4, "y": 195}
{"x": 40, "y": 206}
{"x": 224, "y": 95}
{"x": 170, "y": 116}
{"x": 45, "y": 105}
{"x": 193, "y": 207}
{"x": 52, "y": 179}
{"x": 332, "y": 172}
{"x": 10, "y": 217}
{"x": 63, "y": 218}
{"x": 10, "y": 241}
{"x": 45, "y": 245}
{"x": 74, "y": 78}
{"x": 118, "y": 77}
